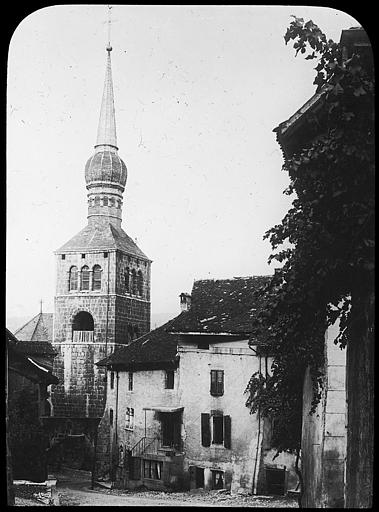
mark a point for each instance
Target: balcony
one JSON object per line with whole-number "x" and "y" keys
{"x": 82, "y": 336}
{"x": 156, "y": 446}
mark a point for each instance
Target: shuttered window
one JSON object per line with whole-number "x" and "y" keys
{"x": 217, "y": 382}
{"x": 227, "y": 432}
{"x": 205, "y": 429}
{"x": 218, "y": 430}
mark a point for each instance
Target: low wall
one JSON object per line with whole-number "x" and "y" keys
{"x": 41, "y": 492}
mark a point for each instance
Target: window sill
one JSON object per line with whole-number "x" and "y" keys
{"x": 129, "y": 429}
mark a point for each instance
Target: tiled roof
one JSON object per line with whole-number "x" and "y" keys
{"x": 35, "y": 348}
{"x": 156, "y": 348}
{"x": 39, "y": 328}
{"x": 21, "y": 362}
{"x": 217, "y": 306}
{"x": 102, "y": 237}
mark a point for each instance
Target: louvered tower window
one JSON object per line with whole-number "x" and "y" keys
{"x": 96, "y": 278}
{"x": 84, "y": 278}
{"x": 73, "y": 281}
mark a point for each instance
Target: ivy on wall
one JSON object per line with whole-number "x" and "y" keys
{"x": 325, "y": 242}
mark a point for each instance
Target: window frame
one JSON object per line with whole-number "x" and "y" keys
{"x": 129, "y": 418}
{"x": 73, "y": 273}
{"x": 96, "y": 277}
{"x": 84, "y": 271}
{"x": 130, "y": 381}
{"x": 217, "y": 384}
{"x": 169, "y": 378}
{"x": 218, "y": 429}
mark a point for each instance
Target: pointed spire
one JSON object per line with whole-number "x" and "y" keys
{"x": 106, "y": 133}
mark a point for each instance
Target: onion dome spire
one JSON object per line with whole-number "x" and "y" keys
{"x": 105, "y": 171}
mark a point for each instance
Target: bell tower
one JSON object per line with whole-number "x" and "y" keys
{"x": 102, "y": 298}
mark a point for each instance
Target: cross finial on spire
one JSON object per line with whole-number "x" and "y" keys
{"x": 109, "y": 47}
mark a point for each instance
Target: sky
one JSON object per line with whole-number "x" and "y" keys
{"x": 198, "y": 91}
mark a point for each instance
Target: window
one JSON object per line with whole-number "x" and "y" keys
{"x": 129, "y": 418}
{"x": 105, "y": 201}
{"x": 130, "y": 381}
{"x": 169, "y": 379}
{"x": 217, "y": 382}
{"x": 140, "y": 283}
{"x": 152, "y": 469}
{"x": 220, "y": 433}
{"x": 84, "y": 278}
{"x": 73, "y": 281}
{"x": 112, "y": 380}
{"x": 217, "y": 479}
{"x": 83, "y": 256}
{"x": 111, "y": 416}
{"x": 96, "y": 278}
{"x": 105, "y": 255}
{"x": 63, "y": 257}
{"x": 134, "y": 282}
{"x": 127, "y": 280}
{"x": 218, "y": 430}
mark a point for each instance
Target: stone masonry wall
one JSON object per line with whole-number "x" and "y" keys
{"x": 80, "y": 391}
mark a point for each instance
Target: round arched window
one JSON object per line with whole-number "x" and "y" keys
{"x": 96, "y": 278}
{"x": 73, "y": 280}
{"x": 84, "y": 278}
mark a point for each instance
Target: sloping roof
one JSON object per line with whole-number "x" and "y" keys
{"x": 35, "y": 348}
{"x": 39, "y": 328}
{"x": 21, "y": 363}
{"x": 102, "y": 237}
{"x": 156, "y": 348}
{"x": 221, "y": 306}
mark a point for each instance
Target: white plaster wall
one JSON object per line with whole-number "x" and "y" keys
{"x": 238, "y": 363}
{"x": 148, "y": 391}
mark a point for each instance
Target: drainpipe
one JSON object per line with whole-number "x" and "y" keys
{"x": 258, "y": 451}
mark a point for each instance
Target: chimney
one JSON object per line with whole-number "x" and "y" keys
{"x": 185, "y": 301}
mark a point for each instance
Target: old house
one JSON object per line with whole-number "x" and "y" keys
{"x": 175, "y": 415}
{"x": 28, "y": 378}
{"x": 323, "y": 455}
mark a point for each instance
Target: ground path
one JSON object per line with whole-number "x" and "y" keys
{"x": 74, "y": 488}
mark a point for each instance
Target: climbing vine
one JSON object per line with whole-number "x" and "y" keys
{"x": 325, "y": 242}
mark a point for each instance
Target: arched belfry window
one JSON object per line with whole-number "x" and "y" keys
{"x": 84, "y": 278}
{"x": 134, "y": 282}
{"x": 127, "y": 280}
{"x": 73, "y": 280}
{"x": 82, "y": 327}
{"x": 139, "y": 283}
{"x": 96, "y": 277}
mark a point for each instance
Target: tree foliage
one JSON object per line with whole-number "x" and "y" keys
{"x": 326, "y": 240}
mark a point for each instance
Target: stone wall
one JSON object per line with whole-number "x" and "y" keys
{"x": 324, "y": 432}
{"x": 81, "y": 388}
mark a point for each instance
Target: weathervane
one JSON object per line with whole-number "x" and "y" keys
{"x": 109, "y": 47}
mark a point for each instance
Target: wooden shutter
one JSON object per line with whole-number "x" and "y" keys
{"x": 227, "y": 431}
{"x": 205, "y": 430}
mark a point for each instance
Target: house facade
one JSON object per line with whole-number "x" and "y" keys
{"x": 175, "y": 415}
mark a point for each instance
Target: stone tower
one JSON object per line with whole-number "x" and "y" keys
{"x": 102, "y": 296}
